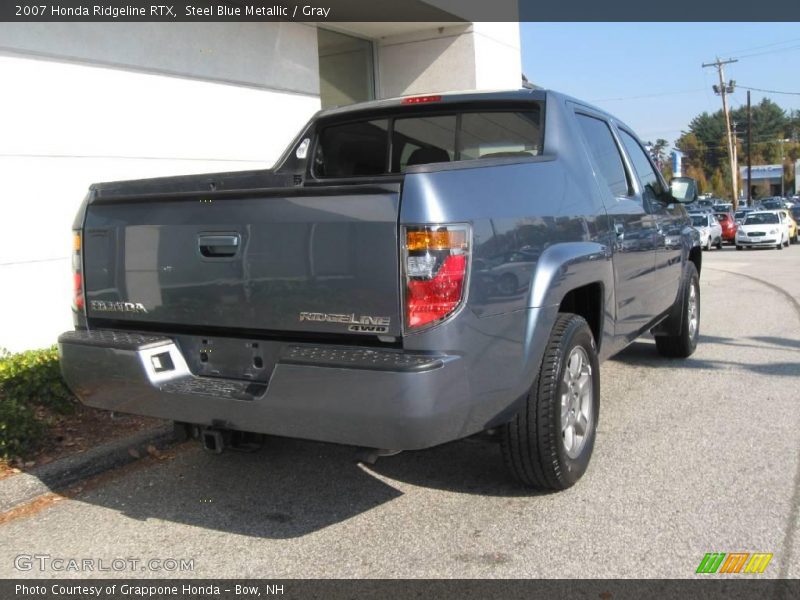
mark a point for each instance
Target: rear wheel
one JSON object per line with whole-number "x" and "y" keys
{"x": 719, "y": 243}
{"x": 549, "y": 443}
{"x": 681, "y": 341}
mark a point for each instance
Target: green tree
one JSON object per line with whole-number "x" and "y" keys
{"x": 718, "y": 187}
{"x": 706, "y": 147}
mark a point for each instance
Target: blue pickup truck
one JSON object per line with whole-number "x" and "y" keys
{"x": 412, "y": 271}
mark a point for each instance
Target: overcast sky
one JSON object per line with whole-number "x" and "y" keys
{"x": 613, "y": 65}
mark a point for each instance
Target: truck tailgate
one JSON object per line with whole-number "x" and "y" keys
{"x": 312, "y": 260}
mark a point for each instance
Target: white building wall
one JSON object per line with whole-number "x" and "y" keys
{"x": 66, "y": 125}
{"x": 107, "y": 101}
{"x": 460, "y": 57}
{"x": 498, "y": 60}
{"x": 275, "y": 56}
{"x": 434, "y": 60}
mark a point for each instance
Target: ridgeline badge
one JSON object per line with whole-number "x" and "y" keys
{"x": 361, "y": 324}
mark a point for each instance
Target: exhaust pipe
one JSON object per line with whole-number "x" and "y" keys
{"x": 370, "y": 456}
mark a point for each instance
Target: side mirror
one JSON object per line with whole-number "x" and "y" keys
{"x": 683, "y": 189}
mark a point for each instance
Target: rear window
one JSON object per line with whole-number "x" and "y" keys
{"x": 365, "y": 148}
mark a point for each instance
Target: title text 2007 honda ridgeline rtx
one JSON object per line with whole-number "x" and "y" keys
{"x": 413, "y": 271}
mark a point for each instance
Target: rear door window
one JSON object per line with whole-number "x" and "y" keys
{"x": 606, "y": 154}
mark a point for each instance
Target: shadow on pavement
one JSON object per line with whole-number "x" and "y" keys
{"x": 291, "y": 488}
{"x": 470, "y": 466}
{"x": 643, "y": 353}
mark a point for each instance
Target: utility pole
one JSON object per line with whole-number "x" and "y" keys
{"x": 723, "y": 90}
{"x": 783, "y": 159}
{"x": 736, "y": 164}
{"x": 749, "y": 151}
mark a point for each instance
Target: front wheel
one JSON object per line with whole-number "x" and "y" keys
{"x": 681, "y": 341}
{"x": 738, "y": 247}
{"x": 549, "y": 443}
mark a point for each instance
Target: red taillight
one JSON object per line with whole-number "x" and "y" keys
{"x": 78, "y": 302}
{"x": 436, "y": 261}
{"x": 77, "y": 291}
{"x": 420, "y": 99}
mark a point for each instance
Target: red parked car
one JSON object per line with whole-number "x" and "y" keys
{"x": 728, "y": 226}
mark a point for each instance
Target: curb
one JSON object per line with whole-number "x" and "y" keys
{"x": 63, "y": 473}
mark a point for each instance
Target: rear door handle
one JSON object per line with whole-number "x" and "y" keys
{"x": 219, "y": 245}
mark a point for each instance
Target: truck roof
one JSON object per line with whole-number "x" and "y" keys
{"x": 461, "y": 97}
{"x": 451, "y": 97}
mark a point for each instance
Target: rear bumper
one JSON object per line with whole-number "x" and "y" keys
{"x": 375, "y": 398}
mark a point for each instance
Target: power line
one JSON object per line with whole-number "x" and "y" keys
{"x": 790, "y": 48}
{"x": 724, "y": 146}
{"x": 735, "y": 52}
{"x": 656, "y": 95}
{"x": 768, "y": 91}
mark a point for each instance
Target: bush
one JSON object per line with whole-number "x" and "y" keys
{"x": 29, "y": 380}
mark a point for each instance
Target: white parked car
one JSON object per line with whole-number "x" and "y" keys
{"x": 709, "y": 229}
{"x": 762, "y": 228}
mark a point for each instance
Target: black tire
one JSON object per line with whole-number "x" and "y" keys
{"x": 780, "y": 245}
{"x": 532, "y": 443}
{"x": 738, "y": 247}
{"x": 708, "y": 244}
{"x": 719, "y": 243}
{"x": 680, "y": 341}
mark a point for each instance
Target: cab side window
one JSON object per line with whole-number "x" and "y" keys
{"x": 651, "y": 183}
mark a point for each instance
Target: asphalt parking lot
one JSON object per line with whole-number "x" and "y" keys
{"x": 692, "y": 457}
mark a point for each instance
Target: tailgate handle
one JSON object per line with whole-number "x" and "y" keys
{"x": 219, "y": 245}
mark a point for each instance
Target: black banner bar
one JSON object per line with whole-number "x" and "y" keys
{"x": 438, "y": 11}
{"x": 713, "y": 587}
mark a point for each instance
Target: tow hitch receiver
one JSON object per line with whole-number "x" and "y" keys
{"x": 213, "y": 441}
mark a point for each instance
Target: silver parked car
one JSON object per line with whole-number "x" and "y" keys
{"x": 709, "y": 229}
